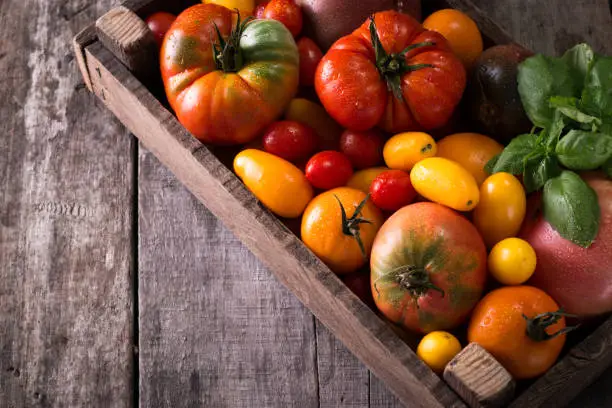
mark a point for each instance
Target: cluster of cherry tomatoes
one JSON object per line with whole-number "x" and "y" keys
{"x": 344, "y": 184}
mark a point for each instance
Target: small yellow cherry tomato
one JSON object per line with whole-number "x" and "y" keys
{"x": 512, "y": 261}
{"x": 246, "y": 7}
{"x": 437, "y": 349}
{"x": 362, "y": 179}
{"x": 404, "y": 150}
{"x": 445, "y": 182}
{"x": 278, "y": 184}
{"x": 501, "y": 210}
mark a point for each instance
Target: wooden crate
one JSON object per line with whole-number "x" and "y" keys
{"x": 109, "y": 56}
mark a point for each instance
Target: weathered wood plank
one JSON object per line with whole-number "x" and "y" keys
{"x": 212, "y": 183}
{"x": 216, "y": 328}
{"x": 343, "y": 379}
{"x": 381, "y": 397}
{"x": 65, "y": 219}
{"x": 556, "y": 26}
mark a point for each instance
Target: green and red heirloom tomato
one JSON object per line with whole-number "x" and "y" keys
{"x": 428, "y": 267}
{"x": 393, "y": 73}
{"x": 226, "y": 80}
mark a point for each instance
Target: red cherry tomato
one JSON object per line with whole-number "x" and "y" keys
{"x": 160, "y": 23}
{"x": 259, "y": 10}
{"x": 287, "y": 12}
{"x": 328, "y": 169}
{"x": 310, "y": 55}
{"x": 364, "y": 149}
{"x": 392, "y": 190}
{"x": 292, "y": 141}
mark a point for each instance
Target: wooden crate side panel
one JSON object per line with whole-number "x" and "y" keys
{"x": 294, "y": 265}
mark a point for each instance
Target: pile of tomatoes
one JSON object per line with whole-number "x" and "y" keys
{"x": 416, "y": 222}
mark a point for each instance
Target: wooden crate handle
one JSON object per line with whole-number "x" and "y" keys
{"x": 129, "y": 38}
{"x": 479, "y": 378}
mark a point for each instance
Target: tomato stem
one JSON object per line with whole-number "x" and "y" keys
{"x": 392, "y": 66}
{"x": 350, "y": 226}
{"x": 415, "y": 280}
{"x": 226, "y": 53}
{"x": 536, "y": 326}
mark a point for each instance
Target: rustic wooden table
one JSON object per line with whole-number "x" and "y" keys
{"x": 118, "y": 288}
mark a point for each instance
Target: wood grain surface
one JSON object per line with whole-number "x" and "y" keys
{"x": 66, "y": 189}
{"x": 216, "y": 328}
{"x": 67, "y": 232}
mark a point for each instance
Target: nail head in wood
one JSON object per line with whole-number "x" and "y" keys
{"x": 479, "y": 378}
{"x": 129, "y": 38}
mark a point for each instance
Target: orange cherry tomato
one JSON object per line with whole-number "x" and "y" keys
{"x": 335, "y": 240}
{"x": 471, "y": 150}
{"x": 461, "y": 32}
{"x": 522, "y": 327}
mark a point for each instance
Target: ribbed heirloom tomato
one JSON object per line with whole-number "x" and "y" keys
{"x": 428, "y": 267}
{"x": 393, "y": 73}
{"x": 227, "y": 81}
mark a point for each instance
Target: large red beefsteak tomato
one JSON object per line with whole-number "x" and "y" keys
{"x": 227, "y": 80}
{"x": 428, "y": 267}
{"x": 393, "y": 73}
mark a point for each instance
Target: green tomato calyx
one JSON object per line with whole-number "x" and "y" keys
{"x": 393, "y": 66}
{"x": 226, "y": 53}
{"x": 536, "y": 326}
{"x": 350, "y": 226}
{"x": 415, "y": 280}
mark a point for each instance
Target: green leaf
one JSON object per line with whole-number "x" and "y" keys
{"x": 538, "y": 171}
{"x": 491, "y": 163}
{"x": 579, "y": 58}
{"x": 554, "y": 132}
{"x": 597, "y": 93}
{"x": 539, "y": 78}
{"x": 571, "y": 207}
{"x": 580, "y": 150}
{"x": 569, "y": 107}
{"x": 512, "y": 158}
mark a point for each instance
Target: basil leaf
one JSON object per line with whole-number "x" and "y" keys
{"x": 554, "y": 133}
{"x": 539, "y": 78}
{"x": 512, "y": 158}
{"x": 580, "y": 150}
{"x": 579, "y": 59}
{"x": 569, "y": 107}
{"x": 597, "y": 94}
{"x": 538, "y": 171}
{"x": 491, "y": 164}
{"x": 571, "y": 207}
